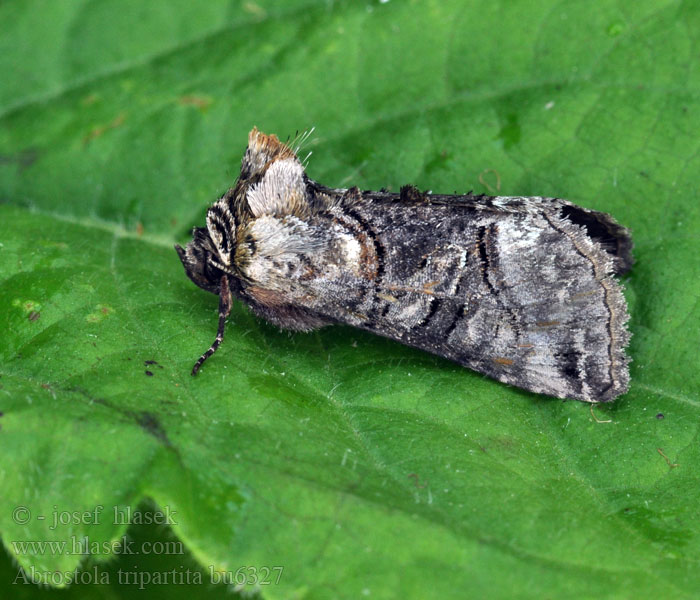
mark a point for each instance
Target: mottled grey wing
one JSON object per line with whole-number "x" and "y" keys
{"x": 513, "y": 289}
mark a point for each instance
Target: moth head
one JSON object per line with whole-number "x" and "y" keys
{"x": 199, "y": 260}
{"x": 207, "y": 258}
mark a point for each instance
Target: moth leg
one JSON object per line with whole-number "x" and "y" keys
{"x": 224, "y": 311}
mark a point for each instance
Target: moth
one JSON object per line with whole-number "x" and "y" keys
{"x": 521, "y": 289}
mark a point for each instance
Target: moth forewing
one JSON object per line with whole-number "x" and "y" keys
{"x": 520, "y": 288}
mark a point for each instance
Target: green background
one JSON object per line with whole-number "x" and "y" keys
{"x": 363, "y": 468}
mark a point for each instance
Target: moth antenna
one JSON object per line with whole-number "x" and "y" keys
{"x": 224, "y": 312}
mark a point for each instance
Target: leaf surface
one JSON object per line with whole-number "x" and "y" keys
{"x": 361, "y": 467}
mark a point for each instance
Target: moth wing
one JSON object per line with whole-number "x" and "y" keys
{"x": 520, "y": 289}
{"x": 525, "y": 296}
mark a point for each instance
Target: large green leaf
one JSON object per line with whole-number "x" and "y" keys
{"x": 359, "y": 466}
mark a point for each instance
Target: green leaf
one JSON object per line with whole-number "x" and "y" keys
{"x": 361, "y": 467}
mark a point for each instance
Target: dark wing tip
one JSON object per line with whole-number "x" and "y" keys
{"x": 601, "y": 227}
